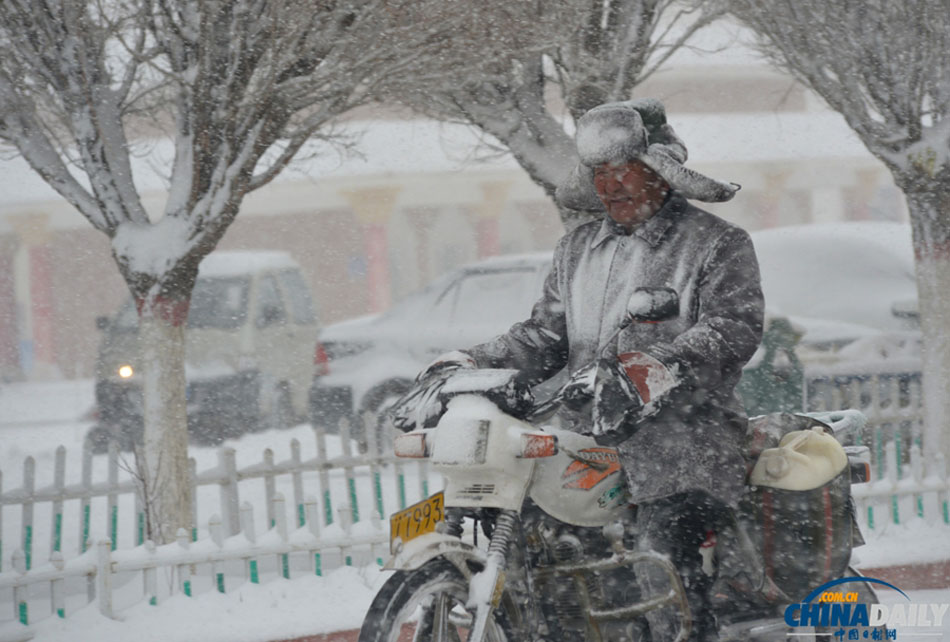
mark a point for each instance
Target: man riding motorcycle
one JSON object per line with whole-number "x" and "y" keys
{"x": 666, "y": 389}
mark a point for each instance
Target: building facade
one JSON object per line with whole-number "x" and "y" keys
{"x": 369, "y": 230}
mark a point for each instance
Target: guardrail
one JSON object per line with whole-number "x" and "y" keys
{"x": 341, "y": 524}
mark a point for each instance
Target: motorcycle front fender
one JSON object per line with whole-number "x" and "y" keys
{"x": 419, "y": 551}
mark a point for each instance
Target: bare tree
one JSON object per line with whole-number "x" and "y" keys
{"x": 239, "y": 86}
{"x": 560, "y": 59}
{"x": 884, "y": 66}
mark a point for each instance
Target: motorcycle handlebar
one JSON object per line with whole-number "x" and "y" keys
{"x": 844, "y": 423}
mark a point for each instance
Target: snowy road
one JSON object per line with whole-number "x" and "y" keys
{"x": 285, "y": 609}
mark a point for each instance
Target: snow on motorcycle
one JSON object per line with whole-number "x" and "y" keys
{"x": 533, "y": 537}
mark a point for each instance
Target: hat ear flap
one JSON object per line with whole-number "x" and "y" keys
{"x": 688, "y": 182}
{"x": 577, "y": 191}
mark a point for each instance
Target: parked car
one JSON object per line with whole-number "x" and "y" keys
{"x": 251, "y": 325}
{"x": 840, "y": 282}
{"x": 365, "y": 363}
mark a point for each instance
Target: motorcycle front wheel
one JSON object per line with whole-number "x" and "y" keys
{"x": 428, "y": 605}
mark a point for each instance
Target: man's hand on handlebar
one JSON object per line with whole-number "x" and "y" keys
{"x": 447, "y": 361}
{"x": 579, "y": 389}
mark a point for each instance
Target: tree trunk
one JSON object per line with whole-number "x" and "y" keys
{"x": 931, "y": 230}
{"x": 166, "y": 474}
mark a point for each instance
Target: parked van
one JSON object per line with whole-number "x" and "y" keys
{"x": 248, "y": 352}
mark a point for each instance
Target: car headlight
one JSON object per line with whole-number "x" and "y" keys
{"x": 125, "y": 371}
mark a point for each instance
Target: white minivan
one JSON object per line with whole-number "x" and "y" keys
{"x": 248, "y": 352}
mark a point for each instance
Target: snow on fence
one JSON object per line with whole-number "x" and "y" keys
{"x": 342, "y": 524}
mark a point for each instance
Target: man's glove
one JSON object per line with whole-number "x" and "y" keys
{"x": 652, "y": 379}
{"x": 447, "y": 361}
{"x": 627, "y": 390}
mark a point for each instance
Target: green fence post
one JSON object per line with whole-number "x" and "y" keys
{"x": 112, "y": 499}
{"x": 114, "y": 528}
{"x": 319, "y": 433}
{"x": 354, "y": 507}
{"x": 29, "y": 480}
{"x": 280, "y": 523}
{"x": 255, "y": 579}
{"x": 57, "y": 596}
{"x": 59, "y": 483}
{"x": 247, "y": 527}
{"x": 917, "y": 471}
{"x": 150, "y": 576}
{"x": 892, "y": 451}
{"x": 378, "y": 486}
{"x": 216, "y": 530}
{"x": 313, "y": 525}
{"x": 20, "y": 593}
{"x": 86, "y": 514}
{"x": 184, "y": 570}
{"x": 84, "y": 502}
{"x": 402, "y": 491}
{"x": 28, "y": 546}
{"x": 297, "y": 479}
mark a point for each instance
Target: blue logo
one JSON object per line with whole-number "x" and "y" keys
{"x": 856, "y": 620}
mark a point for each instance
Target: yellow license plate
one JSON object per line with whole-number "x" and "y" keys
{"x": 417, "y": 520}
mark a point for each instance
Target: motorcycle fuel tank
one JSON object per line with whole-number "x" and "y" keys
{"x": 583, "y": 484}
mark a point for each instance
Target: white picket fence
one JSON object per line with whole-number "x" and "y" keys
{"x": 903, "y": 492}
{"x": 341, "y": 523}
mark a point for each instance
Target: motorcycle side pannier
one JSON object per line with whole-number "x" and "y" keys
{"x": 797, "y": 503}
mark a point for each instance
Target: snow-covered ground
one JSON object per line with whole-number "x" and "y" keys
{"x": 36, "y": 418}
{"x": 286, "y": 609}
{"x": 275, "y": 610}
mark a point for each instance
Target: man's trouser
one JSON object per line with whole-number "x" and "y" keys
{"x": 676, "y": 526}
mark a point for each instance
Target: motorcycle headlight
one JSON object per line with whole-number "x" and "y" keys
{"x": 411, "y": 444}
{"x": 125, "y": 371}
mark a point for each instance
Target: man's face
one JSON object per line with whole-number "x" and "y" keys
{"x": 631, "y": 192}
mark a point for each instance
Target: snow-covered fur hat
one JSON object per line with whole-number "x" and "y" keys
{"x": 634, "y": 130}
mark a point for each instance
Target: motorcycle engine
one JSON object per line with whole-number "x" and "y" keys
{"x": 566, "y": 597}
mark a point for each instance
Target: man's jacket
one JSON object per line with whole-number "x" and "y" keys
{"x": 693, "y": 443}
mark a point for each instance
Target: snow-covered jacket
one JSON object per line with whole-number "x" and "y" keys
{"x": 693, "y": 443}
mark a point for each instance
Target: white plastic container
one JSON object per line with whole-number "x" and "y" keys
{"x": 804, "y": 460}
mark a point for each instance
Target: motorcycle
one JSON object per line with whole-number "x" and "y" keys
{"x": 558, "y": 560}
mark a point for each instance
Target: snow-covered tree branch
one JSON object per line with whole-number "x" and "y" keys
{"x": 239, "y": 86}
{"x": 581, "y": 53}
{"x": 884, "y": 66}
